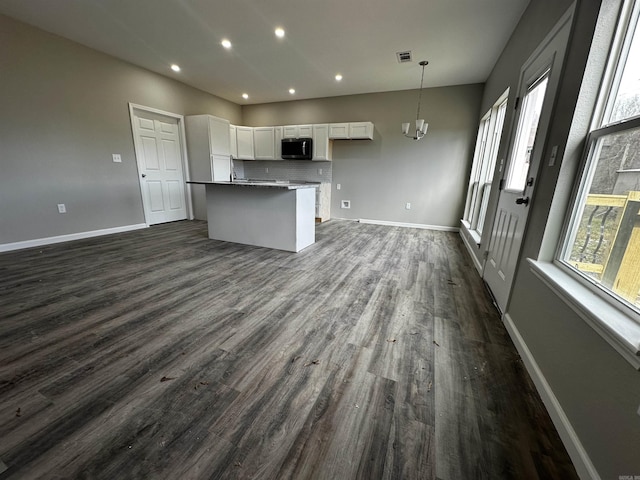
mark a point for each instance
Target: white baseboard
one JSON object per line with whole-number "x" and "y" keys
{"x": 581, "y": 460}
{"x": 409, "y": 225}
{"x": 38, "y": 242}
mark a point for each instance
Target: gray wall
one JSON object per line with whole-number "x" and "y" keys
{"x": 380, "y": 176}
{"x": 597, "y": 389}
{"x": 64, "y": 112}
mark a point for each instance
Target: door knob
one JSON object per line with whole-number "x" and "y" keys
{"x": 522, "y": 201}
{"x": 144, "y": 175}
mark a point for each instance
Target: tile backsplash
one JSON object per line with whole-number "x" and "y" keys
{"x": 284, "y": 170}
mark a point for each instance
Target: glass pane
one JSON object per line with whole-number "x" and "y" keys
{"x": 478, "y": 156}
{"x": 526, "y": 135}
{"x": 606, "y": 241}
{"x": 626, "y": 98}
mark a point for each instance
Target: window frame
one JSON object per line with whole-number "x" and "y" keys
{"x": 484, "y": 162}
{"x": 615, "y": 319}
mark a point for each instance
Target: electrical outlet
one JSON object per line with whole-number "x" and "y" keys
{"x": 319, "y": 171}
{"x": 408, "y": 206}
{"x": 338, "y": 186}
{"x": 62, "y": 208}
{"x": 345, "y": 204}
{"x": 117, "y": 158}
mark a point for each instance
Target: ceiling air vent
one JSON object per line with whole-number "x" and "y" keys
{"x": 404, "y": 57}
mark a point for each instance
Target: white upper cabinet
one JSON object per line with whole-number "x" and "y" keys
{"x": 290, "y": 131}
{"x": 277, "y": 132}
{"x": 264, "y": 143}
{"x": 233, "y": 141}
{"x": 339, "y": 131}
{"x": 305, "y": 131}
{"x": 245, "y": 143}
{"x": 219, "y": 135}
{"x": 321, "y": 145}
{"x": 208, "y": 147}
{"x": 351, "y": 131}
{"x": 361, "y": 130}
{"x": 297, "y": 131}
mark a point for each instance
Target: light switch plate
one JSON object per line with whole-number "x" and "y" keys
{"x": 62, "y": 208}
{"x": 338, "y": 186}
{"x": 117, "y": 158}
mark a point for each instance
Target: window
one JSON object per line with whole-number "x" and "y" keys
{"x": 484, "y": 162}
{"x": 526, "y": 134}
{"x": 602, "y": 244}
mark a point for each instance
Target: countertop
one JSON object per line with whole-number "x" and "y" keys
{"x": 282, "y": 184}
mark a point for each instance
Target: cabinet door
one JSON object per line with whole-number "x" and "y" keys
{"x": 264, "y": 145}
{"x": 361, "y": 130}
{"x": 305, "y": 131}
{"x": 339, "y": 130}
{"x": 290, "y": 131}
{"x": 277, "y": 133}
{"x": 233, "y": 141}
{"x": 321, "y": 147}
{"x": 221, "y": 168}
{"x": 219, "y": 136}
{"x": 245, "y": 143}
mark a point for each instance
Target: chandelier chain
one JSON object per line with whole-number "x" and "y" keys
{"x": 420, "y": 94}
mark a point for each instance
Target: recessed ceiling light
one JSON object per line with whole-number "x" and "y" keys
{"x": 175, "y": 68}
{"x": 280, "y": 32}
{"x": 225, "y": 43}
{"x": 292, "y": 91}
{"x": 245, "y": 96}
{"x": 338, "y": 77}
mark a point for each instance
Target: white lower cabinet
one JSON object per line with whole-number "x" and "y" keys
{"x": 323, "y": 202}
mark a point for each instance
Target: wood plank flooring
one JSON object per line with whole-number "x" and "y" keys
{"x": 373, "y": 354}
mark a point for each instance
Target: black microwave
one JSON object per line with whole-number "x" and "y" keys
{"x": 297, "y": 148}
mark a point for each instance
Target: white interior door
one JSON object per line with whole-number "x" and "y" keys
{"x": 159, "y": 157}
{"x": 538, "y": 83}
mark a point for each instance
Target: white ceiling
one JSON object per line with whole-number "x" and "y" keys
{"x": 461, "y": 39}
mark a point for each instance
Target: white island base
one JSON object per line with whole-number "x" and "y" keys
{"x": 272, "y": 216}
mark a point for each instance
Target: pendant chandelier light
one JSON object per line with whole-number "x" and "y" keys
{"x": 421, "y": 127}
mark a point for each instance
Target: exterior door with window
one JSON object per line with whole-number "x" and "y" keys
{"x": 538, "y": 82}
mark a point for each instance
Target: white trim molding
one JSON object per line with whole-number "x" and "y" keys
{"x": 409, "y": 225}
{"x": 38, "y": 242}
{"x": 581, "y": 461}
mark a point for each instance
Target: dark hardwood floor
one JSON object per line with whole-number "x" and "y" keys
{"x": 373, "y": 354}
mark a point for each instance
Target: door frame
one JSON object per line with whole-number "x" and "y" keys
{"x": 562, "y": 27}
{"x": 183, "y": 153}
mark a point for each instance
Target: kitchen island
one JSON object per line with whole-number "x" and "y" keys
{"x": 265, "y": 213}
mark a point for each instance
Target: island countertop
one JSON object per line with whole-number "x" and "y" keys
{"x": 282, "y": 184}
